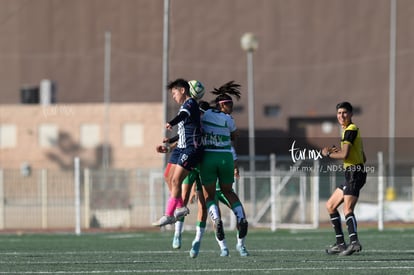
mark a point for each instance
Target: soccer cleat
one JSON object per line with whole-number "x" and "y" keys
{"x": 181, "y": 212}
{"x": 219, "y": 229}
{"x": 224, "y": 252}
{"x": 195, "y": 248}
{"x": 242, "y": 250}
{"x": 176, "y": 243}
{"x": 164, "y": 220}
{"x": 335, "y": 249}
{"x": 352, "y": 247}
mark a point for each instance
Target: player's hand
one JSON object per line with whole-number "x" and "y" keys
{"x": 236, "y": 172}
{"x": 168, "y": 126}
{"x": 333, "y": 149}
{"x": 329, "y": 150}
{"x": 325, "y": 151}
{"x": 162, "y": 149}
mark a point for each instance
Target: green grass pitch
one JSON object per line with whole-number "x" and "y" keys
{"x": 280, "y": 252}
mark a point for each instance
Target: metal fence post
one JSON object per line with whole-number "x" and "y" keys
{"x": 315, "y": 190}
{"x": 44, "y": 197}
{"x": 380, "y": 191}
{"x": 2, "y": 225}
{"x": 86, "y": 195}
{"x": 273, "y": 188}
{"x": 77, "y": 197}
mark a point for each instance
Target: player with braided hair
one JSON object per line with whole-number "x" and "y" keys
{"x": 224, "y": 102}
{"x": 217, "y": 169}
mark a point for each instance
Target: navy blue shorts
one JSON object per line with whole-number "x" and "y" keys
{"x": 355, "y": 178}
{"x": 188, "y": 158}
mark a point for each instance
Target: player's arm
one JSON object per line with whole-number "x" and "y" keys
{"x": 172, "y": 140}
{"x": 180, "y": 117}
{"x": 234, "y": 132}
{"x": 234, "y": 135}
{"x": 348, "y": 140}
{"x": 236, "y": 164}
{"x": 339, "y": 153}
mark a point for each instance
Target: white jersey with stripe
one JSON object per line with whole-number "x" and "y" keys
{"x": 217, "y": 128}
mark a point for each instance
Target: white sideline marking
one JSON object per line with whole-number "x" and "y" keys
{"x": 244, "y": 270}
{"x": 91, "y": 252}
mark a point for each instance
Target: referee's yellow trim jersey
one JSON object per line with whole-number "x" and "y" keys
{"x": 351, "y": 136}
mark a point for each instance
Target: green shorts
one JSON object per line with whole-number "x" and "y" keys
{"x": 193, "y": 176}
{"x": 217, "y": 166}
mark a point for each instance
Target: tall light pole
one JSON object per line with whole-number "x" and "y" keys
{"x": 165, "y": 64}
{"x": 249, "y": 43}
{"x": 391, "y": 112}
{"x": 107, "y": 100}
{"x": 165, "y": 75}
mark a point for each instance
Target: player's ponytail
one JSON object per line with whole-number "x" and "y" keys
{"x": 226, "y": 92}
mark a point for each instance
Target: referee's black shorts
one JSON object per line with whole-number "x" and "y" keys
{"x": 355, "y": 178}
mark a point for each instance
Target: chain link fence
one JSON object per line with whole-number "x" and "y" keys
{"x": 281, "y": 195}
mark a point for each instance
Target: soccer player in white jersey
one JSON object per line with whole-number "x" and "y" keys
{"x": 217, "y": 166}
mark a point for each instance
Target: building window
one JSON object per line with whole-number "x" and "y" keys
{"x": 48, "y": 135}
{"x": 272, "y": 110}
{"x": 237, "y": 109}
{"x": 133, "y": 134}
{"x": 357, "y": 110}
{"x": 90, "y": 136}
{"x": 8, "y": 135}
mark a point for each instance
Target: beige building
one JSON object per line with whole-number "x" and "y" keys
{"x": 312, "y": 54}
{"x": 52, "y": 136}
